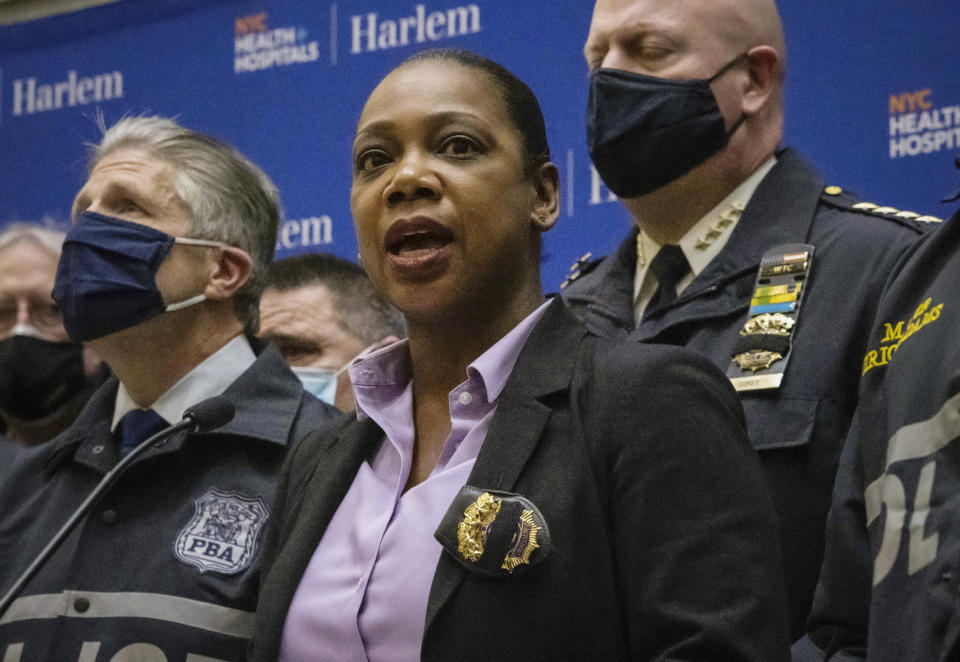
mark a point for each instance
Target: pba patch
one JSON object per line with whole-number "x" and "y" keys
{"x": 223, "y": 534}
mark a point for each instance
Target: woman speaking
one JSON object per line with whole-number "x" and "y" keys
{"x": 511, "y": 487}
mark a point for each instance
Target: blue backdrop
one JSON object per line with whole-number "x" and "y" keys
{"x": 873, "y": 96}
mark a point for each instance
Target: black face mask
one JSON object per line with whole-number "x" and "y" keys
{"x": 38, "y": 377}
{"x": 644, "y": 132}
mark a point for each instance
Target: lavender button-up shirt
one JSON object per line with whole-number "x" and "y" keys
{"x": 364, "y": 594}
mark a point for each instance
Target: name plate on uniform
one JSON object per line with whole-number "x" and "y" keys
{"x": 762, "y": 353}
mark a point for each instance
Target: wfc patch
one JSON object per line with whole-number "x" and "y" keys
{"x": 222, "y": 536}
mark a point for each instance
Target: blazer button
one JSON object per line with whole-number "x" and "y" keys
{"x": 108, "y": 517}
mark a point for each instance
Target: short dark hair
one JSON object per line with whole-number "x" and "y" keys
{"x": 520, "y": 101}
{"x": 361, "y": 311}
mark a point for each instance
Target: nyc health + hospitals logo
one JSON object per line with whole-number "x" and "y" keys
{"x": 257, "y": 46}
{"x": 918, "y": 125}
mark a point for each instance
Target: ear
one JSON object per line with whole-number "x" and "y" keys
{"x": 546, "y": 181}
{"x": 230, "y": 269}
{"x": 764, "y": 69}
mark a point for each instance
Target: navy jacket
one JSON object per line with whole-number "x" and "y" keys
{"x": 662, "y": 532}
{"x": 890, "y": 585}
{"x": 167, "y": 564}
{"x": 798, "y": 429}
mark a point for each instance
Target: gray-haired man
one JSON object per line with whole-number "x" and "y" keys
{"x": 161, "y": 275}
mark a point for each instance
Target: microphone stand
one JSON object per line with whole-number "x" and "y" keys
{"x": 188, "y": 423}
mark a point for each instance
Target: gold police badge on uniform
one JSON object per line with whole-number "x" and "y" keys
{"x": 756, "y": 359}
{"x": 760, "y": 357}
{"x": 494, "y": 533}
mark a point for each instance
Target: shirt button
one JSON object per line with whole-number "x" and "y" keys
{"x": 81, "y": 605}
{"x": 108, "y": 517}
{"x": 96, "y": 450}
{"x": 465, "y": 398}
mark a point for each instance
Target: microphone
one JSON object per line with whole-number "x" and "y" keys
{"x": 210, "y": 414}
{"x": 202, "y": 417}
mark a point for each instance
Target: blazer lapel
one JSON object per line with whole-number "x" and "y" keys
{"x": 308, "y": 513}
{"x": 331, "y": 479}
{"x": 545, "y": 366}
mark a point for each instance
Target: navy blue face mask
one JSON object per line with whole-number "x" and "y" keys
{"x": 106, "y": 278}
{"x": 644, "y": 132}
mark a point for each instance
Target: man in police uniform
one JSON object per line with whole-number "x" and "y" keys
{"x": 891, "y": 574}
{"x": 684, "y": 123}
{"x": 160, "y": 274}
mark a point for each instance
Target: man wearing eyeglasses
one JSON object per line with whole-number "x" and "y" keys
{"x": 45, "y": 379}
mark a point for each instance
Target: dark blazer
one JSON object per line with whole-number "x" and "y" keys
{"x": 663, "y": 536}
{"x": 799, "y": 428}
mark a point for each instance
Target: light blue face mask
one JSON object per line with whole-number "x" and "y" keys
{"x": 322, "y": 382}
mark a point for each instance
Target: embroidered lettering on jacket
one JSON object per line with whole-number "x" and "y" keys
{"x": 895, "y": 334}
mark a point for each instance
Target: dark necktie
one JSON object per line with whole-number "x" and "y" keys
{"x": 138, "y": 424}
{"x": 669, "y": 265}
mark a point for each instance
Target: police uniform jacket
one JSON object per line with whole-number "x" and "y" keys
{"x": 799, "y": 428}
{"x": 166, "y": 566}
{"x": 660, "y": 526}
{"x": 9, "y": 450}
{"x": 890, "y": 585}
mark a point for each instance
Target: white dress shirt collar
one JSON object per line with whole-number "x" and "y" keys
{"x": 209, "y": 378}
{"x": 701, "y": 243}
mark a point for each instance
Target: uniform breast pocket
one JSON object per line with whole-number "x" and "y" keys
{"x": 778, "y": 422}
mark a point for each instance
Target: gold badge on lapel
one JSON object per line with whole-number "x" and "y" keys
{"x": 472, "y": 531}
{"x": 523, "y": 543}
{"x": 493, "y": 533}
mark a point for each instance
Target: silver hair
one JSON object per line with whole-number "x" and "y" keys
{"x": 230, "y": 199}
{"x": 48, "y": 238}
